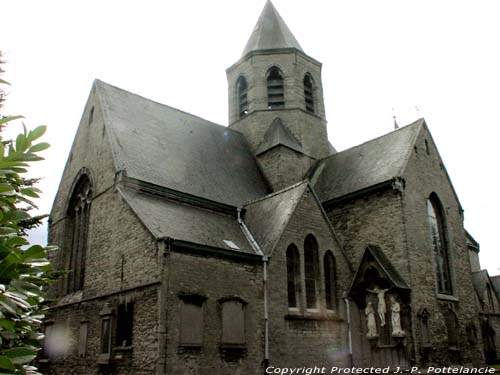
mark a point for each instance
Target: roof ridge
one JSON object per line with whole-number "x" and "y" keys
{"x": 419, "y": 123}
{"x": 405, "y": 127}
{"x": 119, "y": 164}
{"x": 291, "y": 187}
{"x": 100, "y": 82}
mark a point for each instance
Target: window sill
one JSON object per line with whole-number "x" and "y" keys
{"x": 331, "y": 316}
{"x": 103, "y": 359}
{"x": 233, "y": 352}
{"x": 447, "y": 297}
{"x": 128, "y": 348}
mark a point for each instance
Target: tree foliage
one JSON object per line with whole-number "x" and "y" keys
{"x": 24, "y": 269}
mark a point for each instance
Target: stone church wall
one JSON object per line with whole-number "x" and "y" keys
{"x": 213, "y": 280}
{"x": 121, "y": 262}
{"x": 425, "y": 174}
{"x": 321, "y": 336}
{"x": 65, "y": 355}
{"x": 375, "y": 219}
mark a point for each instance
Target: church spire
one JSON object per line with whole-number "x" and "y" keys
{"x": 271, "y": 32}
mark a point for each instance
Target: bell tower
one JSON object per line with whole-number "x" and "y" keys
{"x": 276, "y": 101}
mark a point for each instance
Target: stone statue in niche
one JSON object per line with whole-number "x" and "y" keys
{"x": 382, "y": 308}
{"x": 396, "y": 318}
{"x": 370, "y": 320}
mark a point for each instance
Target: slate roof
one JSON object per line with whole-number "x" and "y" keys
{"x": 471, "y": 242}
{"x": 479, "y": 280}
{"x": 268, "y": 217}
{"x": 278, "y": 134}
{"x": 495, "y": 280}
{"x": 178, "y": 221}
{"x": 365, "y": 165}
{"x": 270, "y": 32}
{"x": 164, "y": 146}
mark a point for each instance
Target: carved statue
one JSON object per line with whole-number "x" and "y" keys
{"x": 381, "y": 303}
{"x": 396, "y": 318}
{"x": 370, "y": 320}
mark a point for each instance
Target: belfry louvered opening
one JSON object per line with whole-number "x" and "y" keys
{"x": 309, "y": 93}
{"x": 275, "y": 89}
{"x": 242, "y": 89}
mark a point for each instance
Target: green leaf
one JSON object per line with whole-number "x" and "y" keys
{"x": 18, "y": 215}
{"x": 37, "y": 133}
{"x": 8, "y": 325}
{"x": 5, "y": 120}
{"x": 6, "y": 363}
{"x": 6, "y": 231}
{"x": 34, "y": 252}
{"x": 8, "y": 306}
{"x": 30, "y": 192}
{"x": 17, "y": 241}
{"x": 39, "y": 147}
{"x": 5, "y": 187}
{"x": 20, "y": 355}
{"x": 26, "y": 287}
{"x": 21, "y": 143}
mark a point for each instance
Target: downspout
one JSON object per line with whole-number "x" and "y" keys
{"x": 164, "y": 261}
{"x": 265, "y": 259}
{"x": 349, "y": 327}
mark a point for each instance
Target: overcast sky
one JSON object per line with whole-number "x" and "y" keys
{"x": 442, "y": 57}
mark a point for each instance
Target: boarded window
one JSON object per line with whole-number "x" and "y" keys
{"x": 439, "y": 244}
{"x": 124, "y": 325}
{"x": 275, "y": 89}
{"x": 242, "y": 89}
{"x": 311, "y": 270}
{"x": 82, "y": 340}
{"x": 233, "y": 323}
{"x": 191, "y": 321}
{"x": 308, "y": 93}
{"x": 292, "y": 270}
{"x": 329, "y": 270}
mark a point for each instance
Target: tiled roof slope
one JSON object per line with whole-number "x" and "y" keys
{"x": 268, "y": 217}
{"x": 178, "y": 221}
{"x": 270, "y": 32}
{"x": 365, "y": 165}
{"x": 164, "y": 146}
{"x": 278, "y": 134}
{"x": 480, "y": 280}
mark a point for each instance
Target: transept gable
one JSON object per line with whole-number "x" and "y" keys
{"x": 378, "y": 162}
{"x": 376, "y": 271}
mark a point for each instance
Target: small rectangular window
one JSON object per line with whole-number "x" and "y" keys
{"x": 191, "y": 322}
{"x": 233, "y": 323}
{"x": 82, "y": 341}
{"x": 124, "y": 325}
{"x": 106, "y": 335}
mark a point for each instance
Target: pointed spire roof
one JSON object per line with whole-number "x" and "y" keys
{"x": 271, "y": 32}
{"x": 278, "y": 134}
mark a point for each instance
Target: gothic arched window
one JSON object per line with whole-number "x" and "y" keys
{"x": 311, "y": 270}
{"x": 329, "y": 268}
{"x": 439, "y": 244}
{"x": 242, "y": 88}
{"x": 275, "y": 89}
{"x": 293, "y": 275}
{"x": 78, "y": 212}
{"x": 309, "y": 93}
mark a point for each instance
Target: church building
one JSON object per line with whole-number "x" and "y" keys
{"x": 195, "y": 248}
